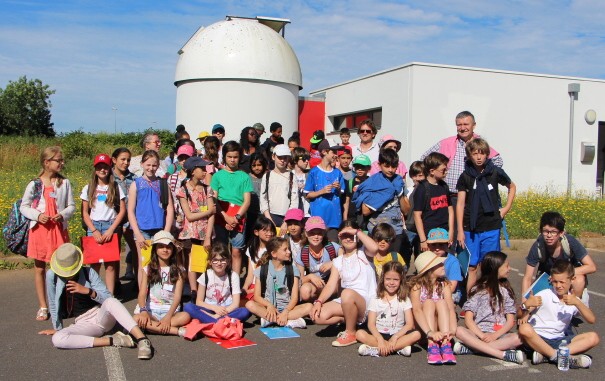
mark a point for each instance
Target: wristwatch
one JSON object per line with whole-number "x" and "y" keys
{"x": 238, "y": 217}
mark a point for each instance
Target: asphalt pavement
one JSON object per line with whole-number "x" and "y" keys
{"x": 25, "y": 355}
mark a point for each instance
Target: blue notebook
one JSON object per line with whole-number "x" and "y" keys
{"x": 279, "y": 332}
{"x": 464, "y": 257}
{"x": 542, "y": 283}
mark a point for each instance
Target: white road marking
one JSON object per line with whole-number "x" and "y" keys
{"x": 505, "y": 365}
{"x": 115, "y": 370}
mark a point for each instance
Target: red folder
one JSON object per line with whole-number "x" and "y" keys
{"x": 100, "y": 253}
{"x": 231, "y": 210}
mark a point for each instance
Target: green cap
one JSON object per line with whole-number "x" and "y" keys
{"x": 362, "y": 160}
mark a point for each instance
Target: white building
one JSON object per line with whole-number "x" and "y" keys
{"x": 238, "y": 72}
{"x": 525, "y": 116}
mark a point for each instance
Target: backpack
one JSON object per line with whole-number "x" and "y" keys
{"x": 264, "y": 271}
{"x": 304, "y": 254}
{"x": 266, "y": 193}
{"x": 542, "y": 250}
{"x": 16, "y": 230}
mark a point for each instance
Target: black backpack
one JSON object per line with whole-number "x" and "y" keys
{"x": 264, "y": 271}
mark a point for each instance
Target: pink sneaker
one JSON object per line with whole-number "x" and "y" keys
{"x": 447, "y": 354}
{"x": 344, "y": 339}
{"x": 433, "y": 355}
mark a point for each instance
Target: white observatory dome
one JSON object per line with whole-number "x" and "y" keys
{"x": 238, "y": 72}
{"x": 238, "y": 49}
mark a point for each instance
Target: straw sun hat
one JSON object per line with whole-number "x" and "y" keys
{"x": 66, "y": 261}
{"x": 426, "y": 261}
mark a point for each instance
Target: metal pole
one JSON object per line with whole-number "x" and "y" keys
{"x": 573, "y": 89}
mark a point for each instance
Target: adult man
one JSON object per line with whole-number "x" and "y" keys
{"x": 454, "y": 148}
{"x": 150, "y": 141}
{"x": 367, "y": 132}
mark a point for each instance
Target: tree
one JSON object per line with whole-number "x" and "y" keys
{"x": 25, "y": 108}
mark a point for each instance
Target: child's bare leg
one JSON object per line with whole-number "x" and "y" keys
{"x": 139, "y": 261}
{"x": 472, "y": 278}
{"x": 256, "y": 309}
{"x": 531, "y": 338}
{"x": 578, "y": 284}
{"x": 353, "y": 308}
{"x": 308, "y": 291}
{"x": 443, "y": 316}
{"x": 583, "y": 342}
{"x": 110, "y": 276}
{"x": 300, "y": 311}
{"x": 100, "y": 342}
{"x": 506, "y": 342}
{"x": 236, "y": 260}
{"x": 407, "y": 340}
{"x": 192, "y": 276}
{"x": 40, "y": 282}
{"x": 331, "y": 313}
{"x": 366, "y": 338}
{"x": 470, "y": 340}
{"x": 178, "y": 320}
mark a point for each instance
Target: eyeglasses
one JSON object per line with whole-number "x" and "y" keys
{"x": 385, "y": 240}
{"x": 365, "y": 131}
{"x": 156, "y": 142}
{"x": 549, "y": 233}
{"x": 217, "y": 261}
{"x": 304, "y": 158}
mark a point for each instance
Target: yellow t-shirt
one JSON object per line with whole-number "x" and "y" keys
{"x": 378, "y": 263}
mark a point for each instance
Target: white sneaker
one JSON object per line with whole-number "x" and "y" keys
{"x": 121, "y": 340}
{"x": 297, "y": 323}
{"x": 182, "y": 331}
{"x": 145, "y": 349}
{"x": 366, "y": 350}
{"x": 264, "y": 323}
{"x": 580, "y": 361}
{"x": 405, "y": 351}
{"x": 461, "y": 349}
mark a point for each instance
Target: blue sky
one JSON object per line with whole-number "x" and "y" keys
{"x": 103, "y": 54}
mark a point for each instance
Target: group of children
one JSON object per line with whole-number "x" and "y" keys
{"x": 320, "y": 243}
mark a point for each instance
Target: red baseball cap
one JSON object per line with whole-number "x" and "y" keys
{"x": 102, "y": 158}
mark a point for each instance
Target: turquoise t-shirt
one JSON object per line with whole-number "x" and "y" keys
{"x": 231, "y": 186}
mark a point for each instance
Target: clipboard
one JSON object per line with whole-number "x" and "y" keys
{"x": 146, "y": 254}
{"x": 100, "y": 253}
{"x": 540, "y": 284}
{"x": 198, "y": 259}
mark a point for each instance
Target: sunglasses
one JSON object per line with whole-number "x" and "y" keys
{"x": 366, "y": 131}
{"x": 304, "y": 158}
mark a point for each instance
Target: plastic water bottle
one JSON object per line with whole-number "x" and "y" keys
{"x": 563, "y": 356}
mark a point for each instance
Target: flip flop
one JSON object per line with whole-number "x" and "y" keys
{"x": 42, "y": 314}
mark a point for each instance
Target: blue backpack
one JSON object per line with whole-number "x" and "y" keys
{"x": 16, "y": 230}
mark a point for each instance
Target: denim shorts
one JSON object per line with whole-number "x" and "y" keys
{"x": 101, "y": 226}
{"x": 237, "y": 239}
{"x": 554, "y": 343}
{"x": 148, "y": 234}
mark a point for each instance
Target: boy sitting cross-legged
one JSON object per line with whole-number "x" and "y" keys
{"x": 546, "y": 319}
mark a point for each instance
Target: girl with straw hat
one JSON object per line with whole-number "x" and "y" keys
{"x": 76, "y": 291}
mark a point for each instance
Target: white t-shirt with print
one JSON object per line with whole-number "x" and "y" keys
{"x": 390, "y": 317}
{"x": 100, "y": 211}
{"x": 161, "y": 294}
{"x": 357, "y": 274}
{"x": 218, "y": 292}
{"x": 260, "y": 254}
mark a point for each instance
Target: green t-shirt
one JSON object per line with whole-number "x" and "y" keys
{"x": 231, "y": 186}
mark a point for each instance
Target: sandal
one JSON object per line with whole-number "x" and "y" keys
{"x": 42, "y": 314}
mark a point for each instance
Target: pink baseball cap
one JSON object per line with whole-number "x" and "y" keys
{"x": 294, "y": 214}
{"x": 315, "y": 222}
{"x": 102, "y": 158}
{"x": 185, "y": 149}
